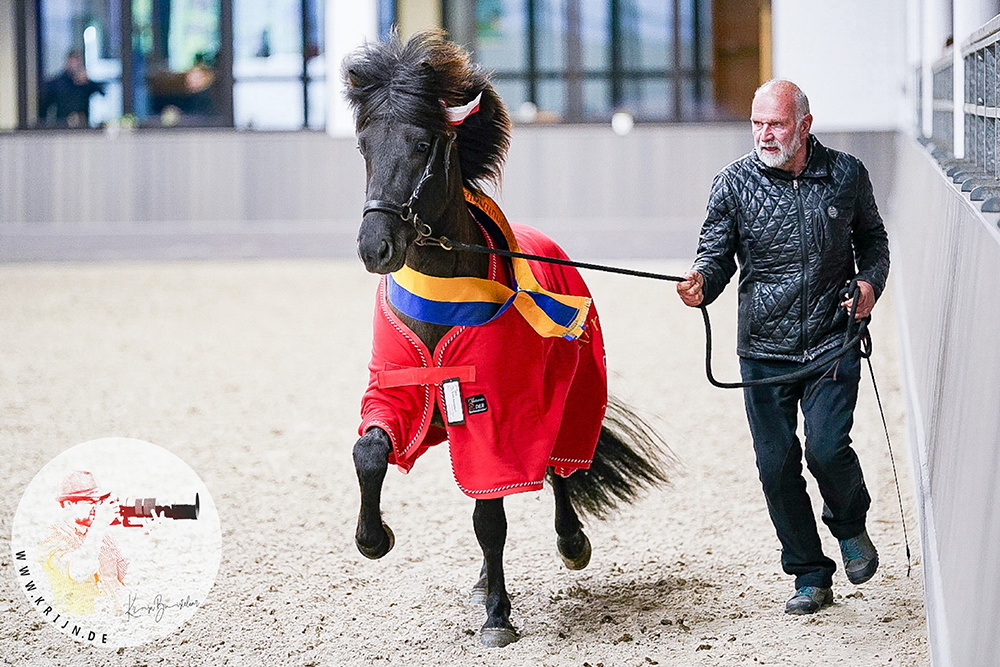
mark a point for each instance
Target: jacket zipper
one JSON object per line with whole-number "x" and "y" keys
{"x": 805, "y": 266}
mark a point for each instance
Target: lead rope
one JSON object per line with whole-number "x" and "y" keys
{"x": 849, "y": 342}
{"x": 862, "y": 338}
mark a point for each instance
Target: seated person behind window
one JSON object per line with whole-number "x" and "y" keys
{"x": 65, "y": 100}
{"x": 183, "y": 93}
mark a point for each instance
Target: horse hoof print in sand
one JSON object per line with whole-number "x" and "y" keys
{"x": 500, "y": 356}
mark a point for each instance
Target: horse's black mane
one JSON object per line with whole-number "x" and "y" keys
{"x": 410, "y": 81}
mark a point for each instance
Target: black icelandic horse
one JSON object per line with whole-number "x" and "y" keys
{"x": 420, "y": 164}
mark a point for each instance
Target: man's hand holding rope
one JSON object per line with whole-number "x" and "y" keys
{"x": 866, "y": 300}
{"x": 690, "y": 289}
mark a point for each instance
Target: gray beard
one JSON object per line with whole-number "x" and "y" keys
{"x": 785, "y": 155}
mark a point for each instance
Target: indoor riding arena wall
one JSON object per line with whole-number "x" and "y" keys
{"x": 206, "y": 194}
{"x": 946, "y": 277}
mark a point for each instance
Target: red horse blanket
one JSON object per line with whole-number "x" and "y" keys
{"x": 527, "y": 401}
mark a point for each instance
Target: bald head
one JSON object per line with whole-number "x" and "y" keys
{"x": 786, "y": 90}
{"x": 781, "y": 121}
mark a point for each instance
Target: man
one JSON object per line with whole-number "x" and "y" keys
{"x": 79, "y": 557}
{"x": 68, "y": 95}
{"x": 797, "y": 216}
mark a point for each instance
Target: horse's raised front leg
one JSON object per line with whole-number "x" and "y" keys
{"x": 371, "y": 460}
{"x": 573, "y": 544}
{"x": 490, "y": 523}
{"x": 481, "y": 589}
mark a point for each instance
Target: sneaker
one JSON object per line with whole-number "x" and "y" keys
{"x": 860, "y": 558}
{"x": 809, "y": 599}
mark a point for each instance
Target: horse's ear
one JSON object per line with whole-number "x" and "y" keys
{"x": 483, "y": 139}
{"x": 353, "y": 78}
{"x": 491, "y": 104}
{"x": 493, "y": 117}
{"x": 431, "y": 74}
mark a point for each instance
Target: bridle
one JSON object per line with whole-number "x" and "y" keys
{"x": 407, "y": 212}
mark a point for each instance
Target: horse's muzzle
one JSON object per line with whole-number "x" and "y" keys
{"x": 378, "y": 247}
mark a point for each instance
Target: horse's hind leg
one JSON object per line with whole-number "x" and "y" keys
{"x": 490, "y": 524}
{"x": 371, "y": 460}
{"x": 572, "y": 542}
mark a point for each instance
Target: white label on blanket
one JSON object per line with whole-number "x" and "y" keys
{"x": 454, "y": 410}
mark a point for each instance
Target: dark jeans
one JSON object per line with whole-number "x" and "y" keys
{"x": 827, "y": 398}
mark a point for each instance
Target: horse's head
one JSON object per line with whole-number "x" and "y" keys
{"x": 407, "y": 99}
{"x": 410, "y": 173}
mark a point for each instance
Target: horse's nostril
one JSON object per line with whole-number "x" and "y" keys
{"x": 384, "y": 250}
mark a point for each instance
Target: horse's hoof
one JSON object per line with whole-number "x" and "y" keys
{"x": 376, "y": 552}
{"x": 480, "y": 591}
{"x": 575, "y": 551}
{"x": 497, "y": 637}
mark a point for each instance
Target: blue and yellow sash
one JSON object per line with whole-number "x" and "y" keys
{"x": 476, "y": 301}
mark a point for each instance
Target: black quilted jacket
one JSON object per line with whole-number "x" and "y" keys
{"x": 797, "y": 240}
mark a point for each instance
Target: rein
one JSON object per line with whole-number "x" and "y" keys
{"x": 425, "y": 237}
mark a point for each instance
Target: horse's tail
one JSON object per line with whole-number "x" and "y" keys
{"x": 630, "y": 457}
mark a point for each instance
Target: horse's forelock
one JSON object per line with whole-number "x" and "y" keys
{"x": 393, "y": 78}
{"x": 409, "y": 81}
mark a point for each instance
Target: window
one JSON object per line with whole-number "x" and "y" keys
{"x": 180, "y": 63}
{"x": 174, "y": 58}
{"x": 581, "y": 60}
{"x": 279, "y": 73}
{"x": 79, "y": 64}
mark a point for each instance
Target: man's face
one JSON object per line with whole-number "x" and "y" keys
{"x": 80, "y": 511}
{"x": 76, "y": 69}
{"x": 777, "y": 137}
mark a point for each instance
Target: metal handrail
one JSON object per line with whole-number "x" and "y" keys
{"x": 986, "y": 34}
{"x": 979, "y": 171}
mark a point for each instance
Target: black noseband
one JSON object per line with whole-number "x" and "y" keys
{"x": 404, "y": 211}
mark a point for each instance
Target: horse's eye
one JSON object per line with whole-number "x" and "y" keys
{"x": 423, "y": 146}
